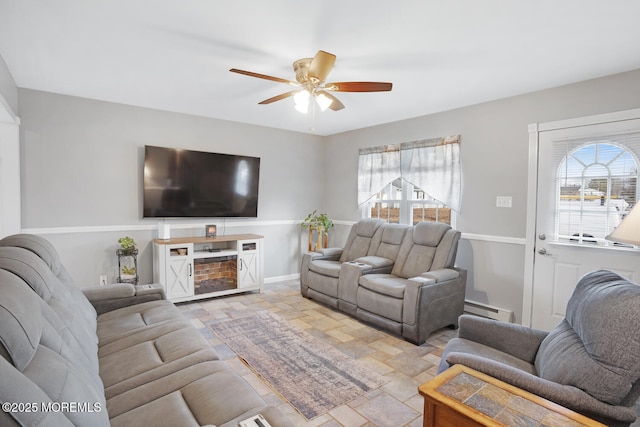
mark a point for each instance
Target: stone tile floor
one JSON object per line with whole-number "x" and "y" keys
{"x": 395, "y": 404}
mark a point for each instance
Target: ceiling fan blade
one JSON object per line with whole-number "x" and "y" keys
{"x": 264, "y": 76}
{"x": 359, "y": 87}
{"x": 279, "y": 97}
{"x": 321, "y": 65}
{"x": 336, "y": 105}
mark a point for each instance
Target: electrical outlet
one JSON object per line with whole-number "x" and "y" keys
{"x": 103, "y": 279}
{"x": 503, "y": 201}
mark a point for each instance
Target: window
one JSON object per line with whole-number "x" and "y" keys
{"x": 596, "y": 187}
{"x": 391, "y": 205}
{"x": 411, "y": 182}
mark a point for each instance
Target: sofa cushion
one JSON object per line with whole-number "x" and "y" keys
{"x": 49, "y": 255}
{"x": 37, "y": 274}
{"x": 63, "y": 381}
{"x": 597, "y": 347}
{"x": 325, "y": 267}
{"x": 384, "y": 284}
{"x": 429, "y": 233}
{"x": 204, "y": 392}
{"x": 21, "y": 263}
{"x": 389, "y": 241}
{"x": 20, "y": 322}
{"x": 136, "y": 319}
{"x": 153, "y": 359}
{"x": 38, "y": 245}
{"x": 414, "y": 262}
{"x": 359, "y": 239}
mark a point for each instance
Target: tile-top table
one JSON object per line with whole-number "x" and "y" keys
{"x": 461, "y": 397}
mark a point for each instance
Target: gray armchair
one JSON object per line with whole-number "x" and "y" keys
{"x": 589, "y": 363}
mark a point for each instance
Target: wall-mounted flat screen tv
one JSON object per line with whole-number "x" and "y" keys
{"x": 183, "y": 183}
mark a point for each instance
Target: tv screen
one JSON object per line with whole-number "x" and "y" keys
{"x": 183, "y": 183}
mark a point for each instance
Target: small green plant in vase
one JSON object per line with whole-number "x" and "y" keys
{"x": 127, "y": 244}
{"x": 321, "y": 223}
{"x": 128, "y": 271}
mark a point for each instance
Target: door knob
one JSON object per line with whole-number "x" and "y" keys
{"x": 543, "y": 251}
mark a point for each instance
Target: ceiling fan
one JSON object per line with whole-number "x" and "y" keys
{"x": 311, "y": 74}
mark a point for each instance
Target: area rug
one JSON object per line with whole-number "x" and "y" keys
{"x": 313, "y": 376}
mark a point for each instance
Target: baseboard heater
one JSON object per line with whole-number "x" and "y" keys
{"x": 489, "y": 311}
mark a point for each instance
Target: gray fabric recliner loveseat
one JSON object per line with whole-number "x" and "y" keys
{"x": 398, "y": 277}
{"x": 62, "y": 364}
{"x": 589, "y": 363}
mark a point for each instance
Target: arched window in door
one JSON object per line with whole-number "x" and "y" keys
{"x": 596, "y": 188}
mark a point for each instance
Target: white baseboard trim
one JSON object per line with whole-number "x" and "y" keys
{"x": 276, "y": 279}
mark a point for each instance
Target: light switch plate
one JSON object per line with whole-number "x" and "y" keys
{"x": 503, "y": 201}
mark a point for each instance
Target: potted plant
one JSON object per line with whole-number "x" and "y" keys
{"x": 128, "y": 272}
{"x": 127, "y": 244}
{"x": 321, "y": 223}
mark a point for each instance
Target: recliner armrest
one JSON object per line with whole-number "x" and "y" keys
{"x": 151, "y": 289}
{"x": 375, "y": 261}
{"x": 117, "y": 295}
{"x": 516, "y": 340}
{"x": 105, "y": 292}
{"x": 330, "y": 252}
{"x": 441, "y": 275}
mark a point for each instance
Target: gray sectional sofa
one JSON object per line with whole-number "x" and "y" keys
{"x": 142, "y": 364}
{"x": 398, "y": 277}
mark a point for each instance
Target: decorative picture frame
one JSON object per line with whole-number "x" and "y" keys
{"x": 211, "y": 230}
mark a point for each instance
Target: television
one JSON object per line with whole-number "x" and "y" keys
{"x": 181, "y": 183}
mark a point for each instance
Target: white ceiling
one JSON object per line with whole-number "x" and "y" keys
{"x": 175, "y": 54}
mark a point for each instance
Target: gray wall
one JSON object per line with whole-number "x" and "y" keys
{"x": 494, "y": 153}
{"x": 82, "y": 169}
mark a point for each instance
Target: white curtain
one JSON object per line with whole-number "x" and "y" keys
{"x": 377, "y": 167}
{"x": 434, "y": 166}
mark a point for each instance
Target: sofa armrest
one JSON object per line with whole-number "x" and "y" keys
{"x": 105, "y": 292}
{"x": 376, "y": 262}
{"x": 432, "y": 301}
{"x": 151, "y": 289}
{"x": 329, "y": 254}
{"x": 118, "y": 295}
{"x": 423, "y": 289}
{"x": 441, "y": 275}
{"x": 516, "y": 340}
{"x": 334, "y": 253}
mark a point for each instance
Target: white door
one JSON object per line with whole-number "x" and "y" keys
{"x": 586, "y": 182}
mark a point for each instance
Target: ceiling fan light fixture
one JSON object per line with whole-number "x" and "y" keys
{"x": 302, "y": 101}
{"x": 323, "y": 101}
{"x": 311, "y": 75}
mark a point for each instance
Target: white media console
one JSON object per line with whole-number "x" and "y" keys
{"x": 203, "y": 267}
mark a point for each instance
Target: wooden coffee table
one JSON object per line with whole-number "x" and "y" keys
{"x": 461, "y": 397}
